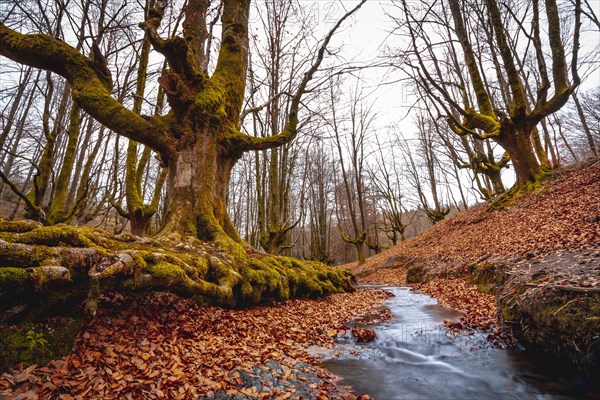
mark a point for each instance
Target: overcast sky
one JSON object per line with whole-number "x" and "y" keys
{"x": 368, "y": 34}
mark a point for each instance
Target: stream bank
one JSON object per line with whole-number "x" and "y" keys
{"x": 539, "y": 257}
{"x": 415, "y": 356}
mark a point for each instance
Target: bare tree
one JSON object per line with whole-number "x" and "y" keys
{"x": 350, "y": 133}
{"x": 386, "y": 177}
{"x": 510, "y": 119}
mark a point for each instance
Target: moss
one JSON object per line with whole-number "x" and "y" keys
{"x": 487, "y": 276}
{"x": 60, "y": 235}
{"x": 45, "y": 275}
{"x": 12, "y": 279}
{"x": 167, "y": 271}
{"x": 20, "y": 255}
{"x": 59, "y": 334}
{"x": 560, "y": 324}
{"x": 211, "y": 101}
{"x": 18, "y": 226}
{"x": 510, "y": 197}
{"x": 417, "y": 274}
{"x": 225, "y": 276}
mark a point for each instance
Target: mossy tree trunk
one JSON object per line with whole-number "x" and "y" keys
{"x": 518, "y": 145}
{"x": 199, "y": 138}
{"x": 138, "y": 213}
{"x": 512, "y": 123}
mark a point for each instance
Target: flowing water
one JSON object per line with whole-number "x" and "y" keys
{"x": 414, "y": 357}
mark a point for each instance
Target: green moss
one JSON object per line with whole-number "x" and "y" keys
{"x": 20, "y": 255}
{"x": 18, "y": 226}
{"x": 59, "y": 235}
{"x": 167, "y": 271}
{"x": 487, "y": 276}
{"x": 59, "y": 334}
{"x": 13, "y": 278}
{"x": 510, "y": 197}
{"x": 44, "y": 275}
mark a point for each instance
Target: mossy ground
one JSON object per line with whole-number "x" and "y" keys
{"x": 58, "y": 336}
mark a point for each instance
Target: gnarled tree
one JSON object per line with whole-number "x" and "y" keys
{"x": 199, "y": 138}
{"x": 511, "y": 117}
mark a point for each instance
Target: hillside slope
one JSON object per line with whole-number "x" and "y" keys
{"x": 540, "y": 257}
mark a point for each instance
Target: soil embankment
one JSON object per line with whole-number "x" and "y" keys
{"x": 539, "y": 258}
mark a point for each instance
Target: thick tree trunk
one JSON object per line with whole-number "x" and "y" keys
{"x": 139, "y": 223}
{"x": 518, "y": 144}
{"x": 198, "y": 181}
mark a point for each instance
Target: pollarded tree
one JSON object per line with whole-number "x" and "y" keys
{"x": 511, "y": 119}
{"x": 199, "y": 138}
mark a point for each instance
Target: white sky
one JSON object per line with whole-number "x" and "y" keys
{"x": 369, "y": 33}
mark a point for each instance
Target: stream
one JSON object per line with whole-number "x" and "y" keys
{"x": 413, "y": 357}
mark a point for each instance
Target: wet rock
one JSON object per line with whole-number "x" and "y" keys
{"x": 274, "y": 380}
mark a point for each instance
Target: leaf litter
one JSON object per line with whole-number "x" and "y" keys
{"x": 161, "y": 346}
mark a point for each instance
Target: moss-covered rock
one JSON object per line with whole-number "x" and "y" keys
{"x": 551, "y": 309}
{"x": 37, "y": 343}
{"x": 487, "y": 275}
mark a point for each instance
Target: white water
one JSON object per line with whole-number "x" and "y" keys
{"x": 414, "y": 357}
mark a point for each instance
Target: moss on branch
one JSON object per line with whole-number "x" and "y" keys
{"x": 65, "y": 264}
{"x": 91, "y": 87}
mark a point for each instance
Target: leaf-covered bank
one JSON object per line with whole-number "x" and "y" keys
{"x": 539, "y": 257}
{"x": 158, "y": 345}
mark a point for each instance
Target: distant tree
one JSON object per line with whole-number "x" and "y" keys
{"x": 350, "y": 128}
{"x": 386, "y": 177}
{"x": 423, "y": 173}
{"x": 509, "y": 117}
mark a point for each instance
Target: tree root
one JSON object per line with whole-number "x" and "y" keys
{"x": 510, "y": 196}
{"x": 47, "y": 267}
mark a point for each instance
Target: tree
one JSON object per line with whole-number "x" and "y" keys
{"x": 350, "y": 135}
{"x": 510, "y": 119}
{"x": 386, "y": 178}
{"x": 138, "y": 213}
{"x": 199, "y": 138}
{"x": 424, "y": 176}
{"x": 280, "y": 60}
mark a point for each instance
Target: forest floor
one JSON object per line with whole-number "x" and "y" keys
{"x": 534, "y": 265}
{"x": 159, "y": 345}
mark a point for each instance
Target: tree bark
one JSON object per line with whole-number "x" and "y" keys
{"x": 518, "y": 144}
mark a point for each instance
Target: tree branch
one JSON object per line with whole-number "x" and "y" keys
{"x": 247, "y": 142}
{"x": 91, "y": 87}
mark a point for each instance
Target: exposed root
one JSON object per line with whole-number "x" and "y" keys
{"x": 511, "y": 196}
{"x": 80, "y": 263}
